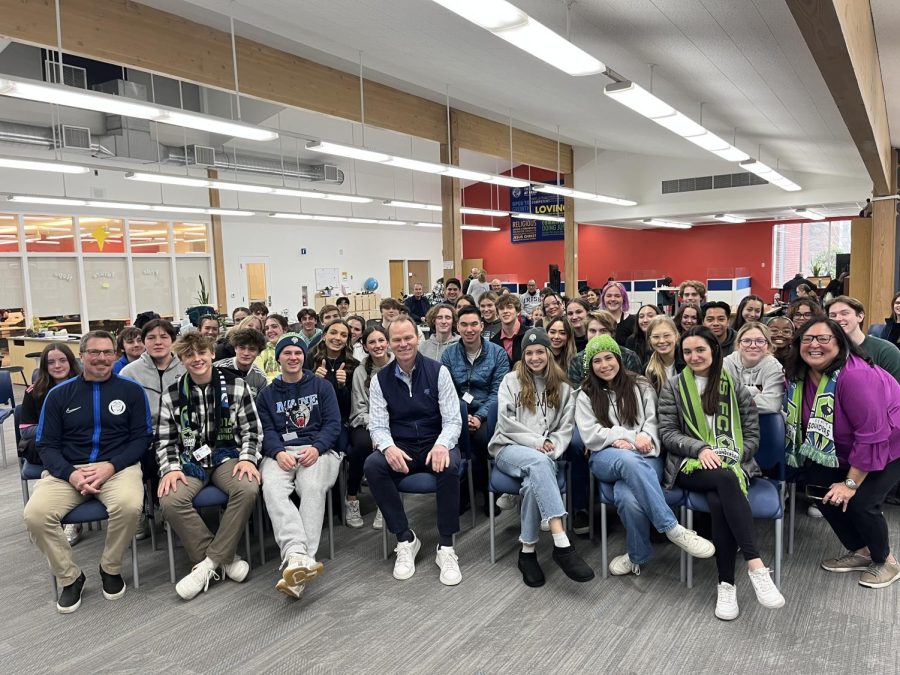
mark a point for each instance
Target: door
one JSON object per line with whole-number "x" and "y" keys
{"x": 419, "y": 272}
{"x": 398, "y": 277}
{"x": 256, "y": 280}
{"x": 469, "y": 263}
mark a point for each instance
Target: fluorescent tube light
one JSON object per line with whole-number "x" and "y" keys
{"x": 228, "y": 212}
{"x": 50, "y": 201}
{"x": 638, "y": 99}
{"x": 731, "y": 154}
{"x": 481, "y": 228}
{"x": 509, "y": 181}
{"x": 290, "y": 192}
{"x": 217, "y": 125}
{"x": 428, "y": 224}
{"x": 709, "y": 141}
{"x": 33, "y": 165}
{"x": 415, "y": 165}
{"x": 656, "y": 222}
{"x": 119, "y": 205}
{"x": 291, "y": 216}
{"x": 578, "y": 194}
{"x": 166, "y": 179}
{"x": 465, "y": 174}
{"x": 680, "y": 124}
{"x": 349, "y": 151}
{"x": 178, "y": 209}
{"x": 769, "y": 174}
{"x": 240, "y": 187}
{"x": 483, "y": 212}
{"x": 491, "y": 15}
{"x": 188, "y": 181}
{"x": 538, "y": 216}
{"x": 728, "y": 218}
{"x": 412, "y": 205}
{"x": 812, "y": 215}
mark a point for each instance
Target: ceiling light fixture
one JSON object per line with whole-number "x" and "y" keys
{"x": 644, "y": 103}
{"x": 469, "y": 210}
{"x": 32, "y": 90}
{"x": 578, "y": 194}
{"x": 508, "y": 22}
{"x": 338, "y": 219}
{"x": 50, "y": 201}
{"x": 415, "y": 165}
{"x": 812, "y": 215}
{"x": 508, "y": 181}
{"x": 124, "y": 206}
{"x": 428, "y": 224}
{"x": 728, "y": 218}
{"x": 412, "y": 205}
{"x": 33, "y": 165}
{"x": 656, "y": 222}
{"x": 348, "y": 151}
{"x": 480, "y": 228}
{"x": 538, "y": 216}
{"x": 769, "y": 174}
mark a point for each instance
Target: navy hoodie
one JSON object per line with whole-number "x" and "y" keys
{"x": 85, "y": 422}
{"x": 307, "y": 408}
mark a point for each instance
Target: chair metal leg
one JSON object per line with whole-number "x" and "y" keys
{"x": 604, "y": 552}
{"x": 134, "y": 564}
{"x": 261, "y": 530}
{"x": 171, "y": 553}
{"x": 3, "y": 445}
{"x": 24, "y": 492}
{"x": 55, "y": 589}
{"x": 472, "y": 493}
{"x": 682, "y": 563}
{"x": 779, "y": 544}
{"x": 491, "y": 519}
{"x": 568, "y": 496}
{"x": 591, "y": 491}
{"x": 384, "y": 540}
{"x": 329, "y": 505}
{"x": 247, "y": 542}
{"x": 791, "y": 519}
{"x": 690, "y": 560}
{"x": 152, "y": 523}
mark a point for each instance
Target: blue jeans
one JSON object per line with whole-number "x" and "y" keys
{"x": 638, "y": 496}
{"x": 540, "y": 491}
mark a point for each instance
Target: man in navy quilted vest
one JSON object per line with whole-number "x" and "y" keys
{"x": 415, "y": 422}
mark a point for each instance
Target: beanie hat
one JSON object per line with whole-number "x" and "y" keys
{"x": 288, "y": 340}
{"x": 535, "y": 336}
{"x": 597, "y": 345}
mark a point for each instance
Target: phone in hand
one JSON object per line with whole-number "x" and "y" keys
{"x": 817, "y": 492}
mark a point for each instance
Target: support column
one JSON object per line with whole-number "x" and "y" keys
{"x": 570, "y": 243}
{"x": 452, "y": 252}
{"x": 883, "y": 257}
{"x": 217, "y": 248}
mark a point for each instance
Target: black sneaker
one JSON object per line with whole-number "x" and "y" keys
{"x": 113, "y": 585}
{"x": 70, "y": 598}
{"x": 572, "y": 564}
{"x": 532, "y": 574}
{"x": 581, "y": 522}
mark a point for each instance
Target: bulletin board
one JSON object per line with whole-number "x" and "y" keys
{"x": 327, "y": 277}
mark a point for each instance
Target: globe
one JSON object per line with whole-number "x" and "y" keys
{"x": 371, "y": 284}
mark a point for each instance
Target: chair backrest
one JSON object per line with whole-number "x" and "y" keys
{"x": 34, "y": 375}
{"x": 17, "y": 416}
{"x": 491, "y": 419}
{"x": 771, "y": 443}
{"x": 464, "y": 434}
{"x": 876, "y": 329}
{"x": 6, "y": 389}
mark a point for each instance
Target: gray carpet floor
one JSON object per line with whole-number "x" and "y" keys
{"x": 357, "y": 618}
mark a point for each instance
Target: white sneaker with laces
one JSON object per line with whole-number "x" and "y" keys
{"x": 405, "y": 565}
{"x": 300, "y": 568}
{"x": 507, "y": 502}
{"x": 690, "y": 541}
{"x": 237, "y": 569}
{"x": 726, "y": 602}
{"x": 73, "y": 533}
{"x": 378, "y": 523}
{"x": 295, "y": 592}
{"x": 352, "y": 514}
{"x": 813, "y": 511}
{"x": 448, "y": 561}
{"x": 766, "y": 591}
{"x": 621, "y": 565}
{"x": 198, "y": 580}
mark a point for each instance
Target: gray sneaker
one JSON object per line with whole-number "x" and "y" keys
{"x": 849, "y": 562}
{"x": 880, "y": 575}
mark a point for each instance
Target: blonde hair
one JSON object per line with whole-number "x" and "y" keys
{"x": 606, "y": 319}
{"x": 554, "y": 378}
{"x": 656, "y": 369}
{"x": 755, "y": 325}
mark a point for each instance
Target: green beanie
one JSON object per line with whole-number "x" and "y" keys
{"x": 598, "y": 344}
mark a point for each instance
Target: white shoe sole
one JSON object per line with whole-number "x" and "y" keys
{"x": 883, "y": 584}
{"x": 284, "y": 587}
{"x": 725, "y": 617}
{"x": 355, "y": 524}
{"x": 68, "y": 610}
{"x": 416, "y": 546}
{"x": 378, "y": 524}
{"x": 115, "y": 596}
{"x": 297, "y": 576}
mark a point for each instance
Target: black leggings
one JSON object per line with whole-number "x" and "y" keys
{"x": 360, "y": 448}
{"x": 729, "y": 510}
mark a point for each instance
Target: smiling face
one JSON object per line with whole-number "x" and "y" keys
{"x": 557, "y": 335}
{"x": 469, "y": 327}
{"x": 645, "y": 315}
{"x": 896, "y": 306}
{"x": 496, "y": 285}
{"x": 752, "y": 311}
{"x": 697, "y": 355}
{"x": 418, "y": 290}
{"x": 536, "y": 358}
{"x": 846, "y": 317}
{"x": 508, "y": 315}
{"x": 592, "y": 297}
{"x": 291, "y": 360}
{"x": 612, "y": 299}
{"x": 488, "y": 310}
{"x": 98, "y": 356}
{"x": 330, "y": 316}
{"x": 814, "y": 353}
{"x": 782, "y": 331}
{"x": 404, "y": 341}
{"x": 577, "y": 315}
{"x": 443, "y": 321}
{"x": 343, "y": 307}
{"x": 198, "y": 364}
{"x": 716, "y": 320}
{"x": 552, "y": 307}
{"x": 690, "y": 317}
{"x": 336, "y": 338}
{"x": 605, "y": 366}
{"x": 356, "y": 330}
{"x": 690, "y": 294}
{"x": 376, "y": 345}
{"x": 802, "y": 315}
{"x": 245, "y": 355}
{"x": 753, "y": 347}
{"x": 158, "y": 343}
{"x": 210, "y": 328}
{"x": 134, "y": 347}
{"x": 275, "y": 331}
{"x": 452, "y": 292}
{"x": 662, "y": 340}
{"x": 58, "y": 365}
{"x": 307, "y": 323}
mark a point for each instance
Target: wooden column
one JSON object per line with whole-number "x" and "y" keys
{"x": 216, "y": 239}
{"x": 452, "y": 252}
{"x": 861, "y": 259}
{"x": 883, "y": 259}
{"x": 570, "y": 232}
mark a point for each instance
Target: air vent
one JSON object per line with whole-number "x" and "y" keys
{"x": 332, "y": 174}
{"x": 75, "y": 138}
{"x": 204, "y": 155}
{"x": 728, "y": 180}
{"x": 73, "y": 76}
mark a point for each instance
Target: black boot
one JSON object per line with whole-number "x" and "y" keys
{"x": 532, "y": 574}
{"x": 572, "y": 564}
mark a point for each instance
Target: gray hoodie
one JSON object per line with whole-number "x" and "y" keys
{"x": 359, "y": 394}
{"x": 517, "y": 425}
{"x": 765, "y": 380}
{"x": 434, "y": 349}
{"x": 143, "y": 371}
{"x": 596, "y": 437}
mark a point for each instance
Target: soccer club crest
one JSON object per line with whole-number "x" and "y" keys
{"x": 298, "y": 415}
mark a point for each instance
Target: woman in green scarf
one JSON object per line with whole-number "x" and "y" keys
{"x": 709, "y": 425}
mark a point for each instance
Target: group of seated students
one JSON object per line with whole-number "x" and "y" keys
{"x": 661, "y": 402}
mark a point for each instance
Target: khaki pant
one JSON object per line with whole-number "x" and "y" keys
{"x": 123, "y": 496}
{"x": 199, "y": 543}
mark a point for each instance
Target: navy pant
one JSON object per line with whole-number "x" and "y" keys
{"x": 383, "y": 482}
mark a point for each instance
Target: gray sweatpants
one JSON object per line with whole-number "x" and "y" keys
{"x": 298, "y": 531}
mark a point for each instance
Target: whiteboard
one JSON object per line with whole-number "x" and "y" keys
{"x": 327, "y": 277}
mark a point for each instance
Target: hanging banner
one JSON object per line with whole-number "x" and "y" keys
{"x": 526, "y": 200}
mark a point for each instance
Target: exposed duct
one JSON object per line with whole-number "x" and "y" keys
{"x": 28, "y": 134}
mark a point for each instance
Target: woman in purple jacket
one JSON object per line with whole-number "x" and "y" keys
{"x": 843, "y": 426}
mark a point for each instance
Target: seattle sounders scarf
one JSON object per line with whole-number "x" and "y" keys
{"x": 726, "y": 439}
{"x": 818, "y": 445}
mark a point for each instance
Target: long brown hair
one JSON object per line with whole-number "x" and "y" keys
{"x": 554, "y": 379}
{"x": 567, "y": 353}
{"x": 320, "y": 351}
{"x": 710, "y": 398}
{"x": 44, "y": 382}
{"x": 370, "y": 362}
{"x": 623, "y": 385}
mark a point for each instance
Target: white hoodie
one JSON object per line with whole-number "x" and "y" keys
{"x": 765, "y": 380}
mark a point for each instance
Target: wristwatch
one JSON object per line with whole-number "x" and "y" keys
{"x": 850, "y": 483}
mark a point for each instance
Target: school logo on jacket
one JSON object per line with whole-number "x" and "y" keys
{"x": 117, "y": 407}
{"x": 299, "y": 414}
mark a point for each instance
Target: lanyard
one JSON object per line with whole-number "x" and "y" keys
{"x": 187, "y": 412}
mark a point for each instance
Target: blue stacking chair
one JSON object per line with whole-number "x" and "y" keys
{"x": 675, "y": 498}
{"x": 426, "y": 483}
{"x": 8, "y": 403}
{"x": 208, "y": 497}
{"x": 766, "y": 495}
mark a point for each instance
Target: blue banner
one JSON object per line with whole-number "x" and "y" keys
{"x": 526, "y": 200}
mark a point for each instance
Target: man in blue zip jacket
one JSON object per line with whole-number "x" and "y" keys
{"x": 94, "y": 430}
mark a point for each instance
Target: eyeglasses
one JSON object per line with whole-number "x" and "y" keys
{"x": 94, "y": 353}
{"x": 782, "y": 331}
{"x": 750, "y": 342}
{"x": 803, "y": 315}
{"x": 821, "y": 339}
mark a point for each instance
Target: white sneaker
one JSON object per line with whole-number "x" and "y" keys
{"x": 813, "y": 511}
{"x": 690, "y": 541}
{"x": 198, "y": 580}
{"x": 237, "y": 569}
{"x": 621, "y": 565}
{"x": 142, "y": 532}
{"x": 448, "y": 561}
{"x": 295, "y": 592}
{"x": 300, "y": 568}
{"x": 766, "y": 591}
{"x": 726, "y": 602}
{"x": 405, "y": 565}
{"x": 73, "y": 533}
{"x": 545, "y": 526}
{"x": 507, "y": 502}
{"x": 352, "y": 515}
{"x": 378, "y": 523}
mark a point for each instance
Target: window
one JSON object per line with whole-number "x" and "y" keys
{"x": 148, "y": 236}
{"x": 9, "y": 234}
{"x": 49, "y": 234}
{"x": 102, "y": 235}
{"x": 190, "y": 237}
{"x": 809, "y": 248}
